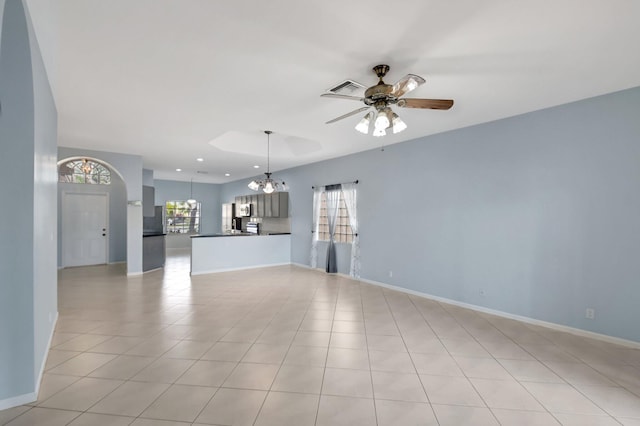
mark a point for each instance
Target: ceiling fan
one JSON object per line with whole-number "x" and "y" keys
{"x": 380, "y": 98}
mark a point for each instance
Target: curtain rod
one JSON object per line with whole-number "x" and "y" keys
{"x": 336, "y": 184}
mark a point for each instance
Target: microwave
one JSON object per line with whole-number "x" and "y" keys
{"x": 243, "y": 210}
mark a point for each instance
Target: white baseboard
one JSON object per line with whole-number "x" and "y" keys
{"x": 302, "y": 265}
{"x": 527, "y": 320}
{"x": 32, "y": 396}
{"x": 134, "y": 274}
{"x": 44, "y": 360}
{"x": 18, "y": 400}
{"x": 215, "y": 271}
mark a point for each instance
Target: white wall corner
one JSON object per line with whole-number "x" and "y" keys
{"x": 44, "y": 360}
{"x": 31, "y": 396}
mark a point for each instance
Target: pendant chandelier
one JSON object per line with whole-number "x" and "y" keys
{"x": 267, "y": 184}
{"x": 191, "y": 200}
{"x": 86, "y": 167}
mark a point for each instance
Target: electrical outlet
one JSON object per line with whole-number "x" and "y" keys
{"x": 590, "y": 313}
{"x": 390, "y": 274}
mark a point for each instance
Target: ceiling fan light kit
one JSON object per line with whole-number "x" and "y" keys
{"x": 267, "y": 184}
{"x": 363, "y": 125}
{"x": 380, "y": 98}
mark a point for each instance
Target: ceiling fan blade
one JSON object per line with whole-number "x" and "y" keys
{"x": 425, "y": 103}
{"x": 406, "y": 84}
{"x": 337, "y": 96}
{"x": 349, "y": 114}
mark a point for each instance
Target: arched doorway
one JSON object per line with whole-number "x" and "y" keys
{"x": 92, "y": 207}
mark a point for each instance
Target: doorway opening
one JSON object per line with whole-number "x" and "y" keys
{"x": 92, "y": 219}
{"x": 85, "y": 222}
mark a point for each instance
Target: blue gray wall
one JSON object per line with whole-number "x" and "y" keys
{"x": 147, "y": 177}
{"x": 28, "y": 292}
{"x": 536, "y": 215}
{"x": 207, "y": 194}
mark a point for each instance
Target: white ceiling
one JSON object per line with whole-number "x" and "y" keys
{"x": 175, "y": 80}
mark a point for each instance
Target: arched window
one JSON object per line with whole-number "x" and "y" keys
{"x": 84, "y": 171}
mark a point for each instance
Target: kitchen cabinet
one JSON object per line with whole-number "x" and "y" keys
{"x": 153, "y": 252}
{"x": 253, "y": 200}
{"x": 148, "y": 201}
{"x": 266, "y": 205}
{"x": 276, "y": 204}
{"x": 259, "y": 212}
{"x": 280, "y": 204}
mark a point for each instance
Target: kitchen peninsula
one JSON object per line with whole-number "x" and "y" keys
{"x": 228, "y": 252}
{"x": 256, "y": 233}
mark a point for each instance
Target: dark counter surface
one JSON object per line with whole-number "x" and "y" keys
{"x": 239, "y": 234}
{"x": 242, "y": 234}
{"x": 153, "y": 234}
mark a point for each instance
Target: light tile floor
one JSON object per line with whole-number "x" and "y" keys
{"x": 290, "y": 346}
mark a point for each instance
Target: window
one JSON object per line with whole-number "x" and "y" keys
{"x": 182, "y": 217}
{"x": 343, "y": 229}
{"x": 84, "y": 171}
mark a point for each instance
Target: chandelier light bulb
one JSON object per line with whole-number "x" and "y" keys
{"x": 268, "y": 187}
{"x": 382, "y": 121}
{"x": 398, "y": 124}
{"x": 86, "y": 167}
{"x": 379, "y": 132}
{"x": 363, "y": 125}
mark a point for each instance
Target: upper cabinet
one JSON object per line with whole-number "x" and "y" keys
{"x": 267, "y": 205}
{"x": 280, "y": 204}
{"x": 258, "y": 207}
{"x": 148, "y": 201}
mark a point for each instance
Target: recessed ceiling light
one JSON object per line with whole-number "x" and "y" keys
{"x": 178, "y": 170}
{"x": 227, "y": 174}
{"x": 256, "y": 167}
{"x": 200, "y": 159}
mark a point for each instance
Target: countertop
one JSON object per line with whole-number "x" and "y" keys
{"x": 153, "y": 234}
{"x": 242, "y": 234}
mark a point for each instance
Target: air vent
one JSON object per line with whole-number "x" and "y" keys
{"x": 202, "y": 172}
{"x": 347, "y": 87}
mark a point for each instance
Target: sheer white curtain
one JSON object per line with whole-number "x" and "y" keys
{"x": 317, "y": 203}
{"x": 349, "y": 194}
{"x": 333, "y": 199}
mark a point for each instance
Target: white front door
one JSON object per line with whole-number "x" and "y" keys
{"x": 84, "y": 229}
